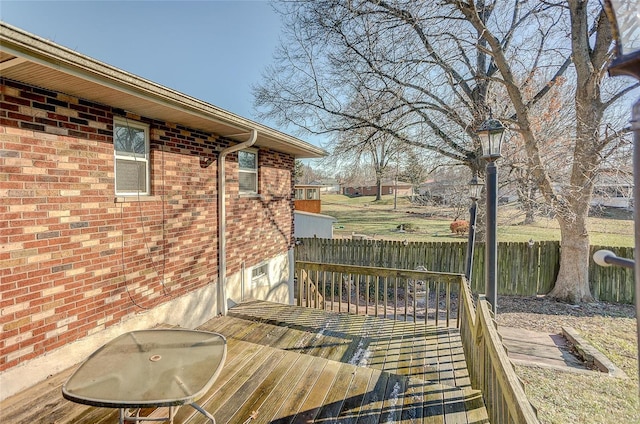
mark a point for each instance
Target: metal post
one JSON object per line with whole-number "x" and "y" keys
{"x": 635, "y": 127}
{"x": 472, "y": 239}
{"x": 491, "y": 249}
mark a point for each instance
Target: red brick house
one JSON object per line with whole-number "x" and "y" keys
{"x": 112, "y": 215}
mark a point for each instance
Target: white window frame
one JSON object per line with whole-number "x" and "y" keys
{"x": 121, "y": 122}
{"x": 253, "y": 190}
{"x": 259, "y": 271}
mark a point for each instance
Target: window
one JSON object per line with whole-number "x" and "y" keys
{"x": 131, "y": 151}
{"x": 299, "y": 194}
{"x": 312, "y": 194}
{"x": 248, "y": 171}
{"x": 259, "y": 271}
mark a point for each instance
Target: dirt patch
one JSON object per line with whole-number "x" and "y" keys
{"x": 545, "y": 315}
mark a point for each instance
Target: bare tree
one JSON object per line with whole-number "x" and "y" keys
{"x": 591, "y": 40}
{"x": 445, "y": 64}
{"x": 363, "y": 142}
{"x": 335, "y": 50}
{"x": 550, "y": 118}
{"x": 413, "y": 169}
{"x": 424, "y": 63}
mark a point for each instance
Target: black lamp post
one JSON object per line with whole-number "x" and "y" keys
{"x": 624, "y": 16}
{"x": 475, "y": 188}
{"x": 491, "y": 134}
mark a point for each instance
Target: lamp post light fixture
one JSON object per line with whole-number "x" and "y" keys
{"x": 624, "y": 16}
{"x": 475, "y": 188}
{"x": 491, "y": 134}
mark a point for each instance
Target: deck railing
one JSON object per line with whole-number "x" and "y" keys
{"x": 429, "y": 297}
{"x": 489, "y": 367}
{"x": 391, "y": 293}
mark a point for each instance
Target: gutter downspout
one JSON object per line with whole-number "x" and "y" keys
{"x": 222, "y": 220}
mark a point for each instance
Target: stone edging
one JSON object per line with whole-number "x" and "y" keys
{"x": 592, "y": 357}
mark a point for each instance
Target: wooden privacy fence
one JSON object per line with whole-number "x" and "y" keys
{"x": 523, "y": 268}
{"x": 489, "y": 367}
{"x": 614, "y": 283}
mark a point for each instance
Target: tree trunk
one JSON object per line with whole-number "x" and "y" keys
{"x": 530, "y": 216}
{"x": 572, "y": 284}
{"x": 529, "y": 205}
{"x": 573, "y": 279}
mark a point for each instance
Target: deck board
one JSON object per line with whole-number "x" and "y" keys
{"x": 413, "y": 409}
{"x": 445, "y": 365}
{"x": 283, "y": 389}
{"x": 290, "y": 365}
{"x": 239, "y": 356}
{"x": 369, "y": 341}
{"x": 235, "y": 392}
{"x": 391, "y": 409}
{"x": 290, "y": 406}
{"x": 12, "y": 409}
{"x": 313, "y": 402}
{"x": 253, "y": 398}
{"x": 332, "y": 405}
{"x": 433, "y": 404}
{"x": 357, "y": 391}
{"x": 370, "y": 410}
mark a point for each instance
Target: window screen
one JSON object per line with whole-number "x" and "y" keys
{"x": 248, "y": 172}
{"x": 131, "y": 150}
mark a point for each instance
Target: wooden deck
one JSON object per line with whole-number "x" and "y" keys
{"x": 288, "y": 364}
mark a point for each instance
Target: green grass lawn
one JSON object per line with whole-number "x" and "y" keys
{"x": 363, "y": 215}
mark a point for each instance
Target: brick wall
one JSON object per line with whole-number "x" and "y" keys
{"x": 74, "y": 259}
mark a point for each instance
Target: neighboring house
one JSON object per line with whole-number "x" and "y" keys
{"x": 307, "y": 198}
{"x": 309, "y": 224}
{"x": 613, "y": 189}
{"x": 308, "y": 221}
{"x": 400, "y": 188}
{"x": 329, "y": 185}
{"x": 112, "y": 215}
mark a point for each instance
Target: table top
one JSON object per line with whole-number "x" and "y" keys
{"x": 163, "y": 367}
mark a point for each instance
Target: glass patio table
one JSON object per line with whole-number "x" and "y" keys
{"x": 149, "y": 368}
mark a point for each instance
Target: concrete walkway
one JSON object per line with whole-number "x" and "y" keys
{"x": 533, "y": 348}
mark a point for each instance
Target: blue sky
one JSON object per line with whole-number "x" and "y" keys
{"x": 212, "y": 50}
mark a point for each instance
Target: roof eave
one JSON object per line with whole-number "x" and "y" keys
{"x": 46, "y": 53}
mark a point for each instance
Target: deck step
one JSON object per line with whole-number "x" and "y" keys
{"x": 430, "y": 353}
{"x": 261, "y": 384}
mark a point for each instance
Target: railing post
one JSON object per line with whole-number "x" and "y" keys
{"x": 298, "y": 283}
{"x": 448, "y": 302}
{"x": 427, "y": 287}
{"x": 437, "y": 302}
{"x": 357, "y": 279}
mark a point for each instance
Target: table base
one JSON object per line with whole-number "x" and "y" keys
{"x": 126, "y": 416}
